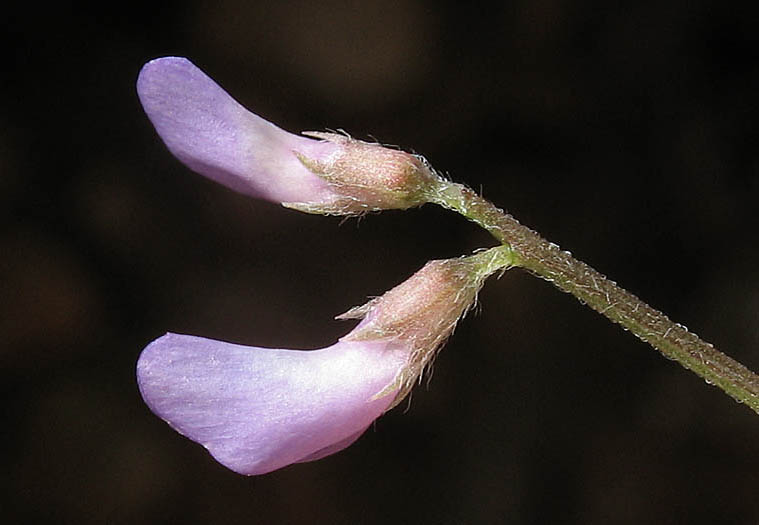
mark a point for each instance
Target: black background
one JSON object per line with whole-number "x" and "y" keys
{"x": 626, "y": 134}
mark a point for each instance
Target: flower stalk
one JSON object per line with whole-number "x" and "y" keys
{"x": 547, "y": 260}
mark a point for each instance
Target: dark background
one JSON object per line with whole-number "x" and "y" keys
{"x": 626, "y": 134}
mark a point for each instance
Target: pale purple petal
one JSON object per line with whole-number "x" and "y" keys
{"x": 215, "y": 136}
{"x": 259, "y": 409}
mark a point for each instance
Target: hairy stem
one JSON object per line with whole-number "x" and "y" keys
{"x": 546, "y": 260}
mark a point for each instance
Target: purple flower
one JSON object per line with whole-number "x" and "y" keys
{"x": 260, "y": 409}
{"x": 215, "y": 136}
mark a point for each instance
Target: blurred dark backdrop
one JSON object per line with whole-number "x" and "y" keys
{"x": 626, "y": 134}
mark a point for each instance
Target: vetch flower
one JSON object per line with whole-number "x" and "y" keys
{"x": 210, "y": 132}
{"x": 260, "y": 409}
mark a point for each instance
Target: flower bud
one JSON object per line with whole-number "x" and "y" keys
{"x": 260, "y": 409}
{"x": 210, "y": 132}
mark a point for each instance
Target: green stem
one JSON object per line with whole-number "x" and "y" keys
{"x": 546, "y": 260}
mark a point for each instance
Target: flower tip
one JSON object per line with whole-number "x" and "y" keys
{"x": 154, "y": 76}
{"x": 162, "y": 63}
{"x": 260, "y": 409}
{"x": 212, "y": 134}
